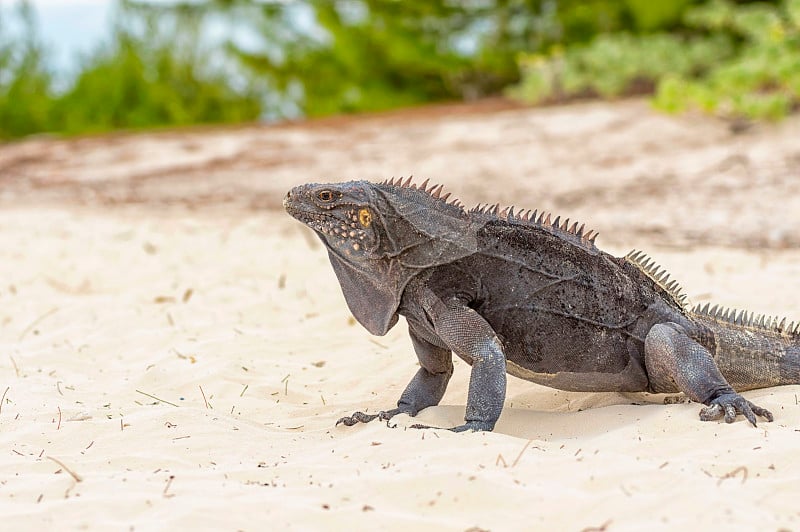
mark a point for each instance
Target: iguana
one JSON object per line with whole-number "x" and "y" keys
{"x": 531, "y": 295}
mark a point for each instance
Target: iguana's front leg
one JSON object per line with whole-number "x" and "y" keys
{"x": 425, "y": 389}
{"x": 675, "y": 360}
{"x": 466, "y": 333}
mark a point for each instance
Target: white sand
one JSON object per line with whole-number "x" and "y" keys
{"x": 103, "y": 303}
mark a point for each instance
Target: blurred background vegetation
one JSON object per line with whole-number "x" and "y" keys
{"x": 161, "y": 67}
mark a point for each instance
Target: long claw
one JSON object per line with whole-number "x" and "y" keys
{"x": 748, "y": 413}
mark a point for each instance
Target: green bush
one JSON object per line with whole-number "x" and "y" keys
{"x": 153, "y": 72}
{"x": 312, "y": 58}
{"x": 761, "y": 81}
{"x": 146, "y": 82}
{"x": 737, "y": 61}
{"x": 372, "y": 54}
{"x": 616, "y": 64}
{"x": 25, "y": 84}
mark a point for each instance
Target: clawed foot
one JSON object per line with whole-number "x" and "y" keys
{"x": 473, "y": 426}
{"x": 731, "y": 404}
{"x": 361, "y": 417}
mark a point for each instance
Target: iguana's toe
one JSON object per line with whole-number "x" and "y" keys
{"x": 356, "y": 417}
{"x": 729, "y": 405}
{"x": 763, "y": 412}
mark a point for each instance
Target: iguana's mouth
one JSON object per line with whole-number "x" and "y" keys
{"x": 318, "y": 221}
{"x": 304, "y": 215}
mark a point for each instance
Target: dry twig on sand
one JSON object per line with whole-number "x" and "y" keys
{"x": 72, "y": 473}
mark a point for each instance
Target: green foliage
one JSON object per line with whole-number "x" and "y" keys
{"x": 652, "y": 15}
{"x": 373, "y": 54}
{"x": 150, "y": 78}
{"x": 320, "y": 57}
{"x": 25, "y": 83}
{"x": 154, "y": 72}
{"x": 761, "y": 81}
{"x": 616, "y": 64}
{"x": 734, "y": 60}
{"x": 579, "y": 21}
{"x": 352, "y": 65}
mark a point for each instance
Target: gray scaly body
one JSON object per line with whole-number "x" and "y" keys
{"x": 532, "y": 296}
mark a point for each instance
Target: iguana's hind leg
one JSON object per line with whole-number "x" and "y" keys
{"x": 677, "y": 362}
{"x": 426, "y": 388}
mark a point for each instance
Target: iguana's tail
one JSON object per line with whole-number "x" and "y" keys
{"x": 752, "y": 351}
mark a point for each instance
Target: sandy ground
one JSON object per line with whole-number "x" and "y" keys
{"x": 174, "y": 349}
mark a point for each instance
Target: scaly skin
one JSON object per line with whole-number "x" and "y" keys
{"x": 533, "y": 297}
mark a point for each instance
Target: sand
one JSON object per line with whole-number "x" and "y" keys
{"x": 175, "y": 350}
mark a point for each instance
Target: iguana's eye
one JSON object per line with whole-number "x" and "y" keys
{"x": 365, "y": 217}
{"x": 325, "y": 195}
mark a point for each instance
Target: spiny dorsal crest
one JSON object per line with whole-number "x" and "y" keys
{"x": 543, "y": 220}
{"x": 435, "y": 191}
{"x": 575, "y": 232}
{"x": 750, "y": 320}
{"x": 659, "y": 275}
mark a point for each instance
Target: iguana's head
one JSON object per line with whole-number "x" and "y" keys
{"x": 379, "y": 235}
{"x": 343, "y": 215}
